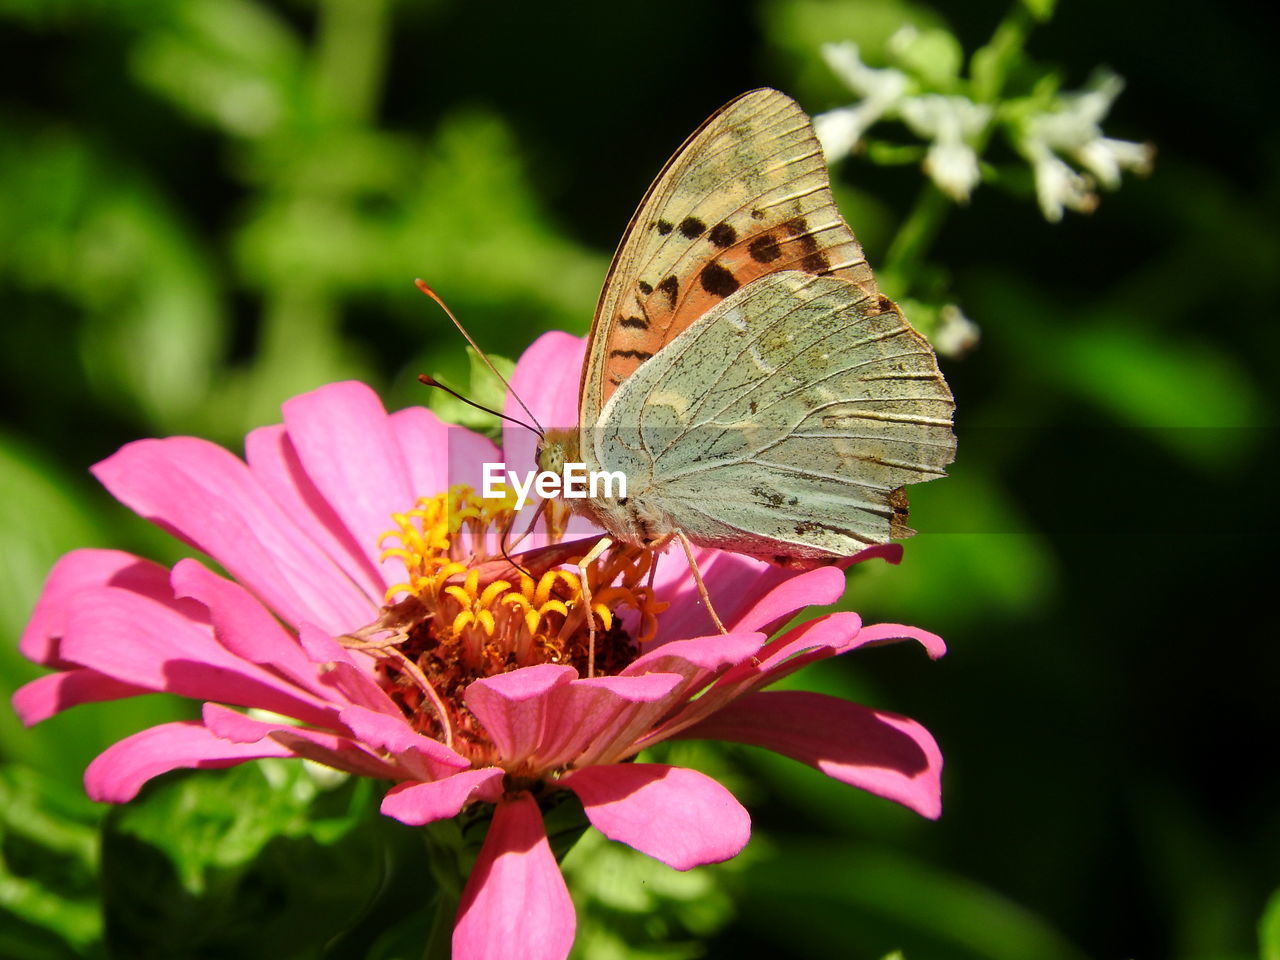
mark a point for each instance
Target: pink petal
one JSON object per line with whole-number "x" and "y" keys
{"x": 274, "y": 462}
{"x": 427, "y": 758}
{"x": 888, "y": 552}
{"x": 45, "y": 696}
{"x": 417, "y": 802}
{"x": 208, "y": 497}
{"x": 818, "y": 639}
{"x": 440, "y": 455}
{"x": 515, "y": 903}
{"x": 699, "y": 660}
{"x": 345, "y": 443}
{"x": 812, "y": 588}
{"x": 749, "y": 594}
{"x": 423, "y": 439}
{"x": 600, "y": 717}
{"x": 145, "y": 643}
{"x": 340, "y": 672}
{"x": 118, "y": 773}
{"x": 244, "y": 626}
{"x": 884, "y": 753}
{"x": 322, "y": 746}
{"x": 513, "y": 707}
{"x": 320, "y": 646}
{"x": 355, "y": 686}
{"x": 814, "y": 640}
{"x": 733, "y": 583}
{"x": 878, "y": 634}
{"x": 77, "y": 571}
{"x": 675, "y": 815}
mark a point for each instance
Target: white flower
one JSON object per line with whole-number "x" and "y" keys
{"x": 952, "y": 123}
{"x": 1105, "y": 157}
{"x": 956, "y": 334}
{"x": 1058, "y": 185}
{"x": 840, "y": 130}
{"x": 1074, "y": 130}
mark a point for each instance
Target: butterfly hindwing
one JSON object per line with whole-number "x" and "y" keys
{"x": 746, "y": 196}
{"x": 784, "y": 421}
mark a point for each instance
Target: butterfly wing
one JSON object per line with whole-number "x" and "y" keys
{"x": 784, "y": 422}
{"x": 745, "y": 196}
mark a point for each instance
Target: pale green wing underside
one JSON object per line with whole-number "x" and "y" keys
{"x": 783, "y": 420}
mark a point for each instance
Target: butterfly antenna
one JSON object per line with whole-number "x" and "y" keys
{"x": 430, "y": 381}
{"x": 506, "y": 531}
{"x": 425, "y": 288}
{"x": 533, "y": 522}
{"x": 502, "y": 545}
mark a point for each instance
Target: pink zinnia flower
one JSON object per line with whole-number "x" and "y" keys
{"x": 438, "y": 667}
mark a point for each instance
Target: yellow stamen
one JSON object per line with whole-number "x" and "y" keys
{"x": 462, "y": 612}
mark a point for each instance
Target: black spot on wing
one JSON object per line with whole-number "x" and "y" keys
{"x": 722, "y": 235}
{"x": 757, "y": 214}
{"x": 645, "y": 288}
{"x": 884, "y": 303}
{"x": 663, "y": 227}
{"x": 636, "y": 354}
{"x": 816, "y": 263}
{"x": 692, "y": 227}
{"x": 764, "y": 249}
{"x": 670, "y": 287}
{"x": 798, "y": 227}
{"x": 718, "y": 281}
{"x": 634, "y": 323}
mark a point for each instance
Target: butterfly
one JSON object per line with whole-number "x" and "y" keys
{"x": 743, "y": 371}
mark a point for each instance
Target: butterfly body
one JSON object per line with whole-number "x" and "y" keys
{"x": 743, "y": 370}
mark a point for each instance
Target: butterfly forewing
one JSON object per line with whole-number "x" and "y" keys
{"x": 783, "y": 421}
{"x": 746, "y": 196}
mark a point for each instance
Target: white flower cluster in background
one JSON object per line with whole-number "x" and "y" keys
{"x": 1060, "y": 134}
{"x": 1073, "y": 130}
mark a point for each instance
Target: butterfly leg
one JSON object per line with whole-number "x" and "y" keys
{"x": 583, "y": 566}
{"x": 697, "y": 579}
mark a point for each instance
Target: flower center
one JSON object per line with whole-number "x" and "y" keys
{"x": 466, "y": 611}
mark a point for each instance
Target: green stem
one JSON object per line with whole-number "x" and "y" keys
{"x": 918, "y": 232}
{"x": 439, "y": 944}
{"x": 445, "y": 856}
{"x": 349, "y": 58}
{"x": 914, "y": 237}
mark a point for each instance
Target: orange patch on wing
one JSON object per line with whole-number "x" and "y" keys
{"x": 661, "y": 308}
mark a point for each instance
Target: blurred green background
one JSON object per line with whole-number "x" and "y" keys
{"x": 208, "y": 206}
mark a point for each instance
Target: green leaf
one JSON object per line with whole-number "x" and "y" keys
{"x": 482, "y": 387}
{"x": 975, "y": 555}
{"x": 934, "y": 56}
{"x": 42, "y": 516}
{"x": 229, "y": 63}
{"x": 258, "y": 861}
{"x": 1042, "y": 10}
{"x": 96, "y": 233}
{"x": 882, "y": 896}
{"x": 48, "y": 865}
{"x": 1269, "y": 929}
{"x": 886, "y": 154}
{"x": 1188, "y": 395}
